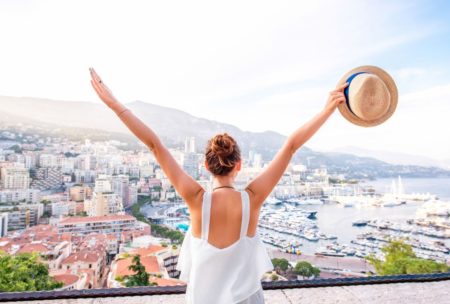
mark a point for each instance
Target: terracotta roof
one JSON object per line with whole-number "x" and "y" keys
{"x": 29, "y": 248}
{"x": 90, "y": 219}
{"x": 66, "y": 236}
{"x": 66, "y": 279}
{"x": 111, "y": 236}
{"x": 84, "y": 256}
{"x": 166, "y": 282}
{"x": 152, "y": 249}
{"x": 150, "y": 263}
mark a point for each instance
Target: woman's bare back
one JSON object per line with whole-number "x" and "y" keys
{"x": 225, "y": 220}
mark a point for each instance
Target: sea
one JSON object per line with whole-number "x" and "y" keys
{"x": 337, "y": 220}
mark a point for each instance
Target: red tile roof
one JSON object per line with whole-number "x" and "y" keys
{"x": 90, "y": 256}
{"x": 150, "y": 263}
{"x": 166, "y": 282}
{"x": 66, "y": 279}
{"x": 152, "y": 249}
{"x": 29, "y": 248}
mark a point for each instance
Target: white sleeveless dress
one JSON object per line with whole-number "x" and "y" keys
{"x": 223, "y": 276}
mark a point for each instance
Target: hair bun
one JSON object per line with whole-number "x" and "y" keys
{"x": 222, "y": 153}
{"x": 223, "y": 145}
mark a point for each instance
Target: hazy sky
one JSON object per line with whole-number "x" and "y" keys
{"x": 260, "y": 65}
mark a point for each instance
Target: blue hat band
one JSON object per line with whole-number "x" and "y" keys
{"x": 349, "y": 80}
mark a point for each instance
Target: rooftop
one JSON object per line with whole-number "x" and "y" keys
{"x": 429, "y": 288}
{"x": 106, "y": 218}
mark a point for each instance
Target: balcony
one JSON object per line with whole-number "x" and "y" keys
{"x": 427, "y": 288}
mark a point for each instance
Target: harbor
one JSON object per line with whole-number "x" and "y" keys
{"x": 325, "y": 227}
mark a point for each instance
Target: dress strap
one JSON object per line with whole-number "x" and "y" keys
{"x": 206, "y": 214}
{"x": 245, "y": 213}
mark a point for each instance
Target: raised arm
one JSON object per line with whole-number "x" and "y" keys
{"x": 264, "y": 183}
{"x": 185, "y": 185}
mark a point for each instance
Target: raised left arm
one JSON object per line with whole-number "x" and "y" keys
{"x": 188, "y": 188}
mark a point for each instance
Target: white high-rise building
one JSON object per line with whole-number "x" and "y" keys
{"x": 189, "y": 145}
{"x": 257, "y": 160}
{"x": 132, "y": 195}
{"x": 48, "y": 161}
{"x": 104, "y": 203}
{"x": 191, "y": 164}
{"x": 17, "y": 195}
{"x": 103, "y": 183}
{"x": 30, "y": 160}
{"x": 15, "y": 177}
{"x": 120, "y": 186}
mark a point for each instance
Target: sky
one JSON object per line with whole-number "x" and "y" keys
{"x": 259, "y": 65}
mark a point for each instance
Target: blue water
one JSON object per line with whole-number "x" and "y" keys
{"x": 336, "y": 219}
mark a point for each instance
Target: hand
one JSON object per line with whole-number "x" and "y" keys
{"x": 336, "y": 97}
{"x": 103, "y": 91}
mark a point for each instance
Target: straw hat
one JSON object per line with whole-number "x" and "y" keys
{"x": 371, "y": 96}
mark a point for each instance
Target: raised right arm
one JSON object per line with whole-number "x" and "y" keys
{"x": 263, "y": 184}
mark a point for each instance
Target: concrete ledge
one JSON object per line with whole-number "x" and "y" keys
{"x": 393, "y": 289}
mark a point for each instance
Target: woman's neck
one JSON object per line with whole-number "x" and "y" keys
{"x": 223, "y": 181}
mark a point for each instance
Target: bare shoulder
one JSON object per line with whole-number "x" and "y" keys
{"x": 196, "y": 202}
{"x": 253, "y": 200}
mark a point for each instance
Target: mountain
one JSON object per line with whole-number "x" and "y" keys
{"x": 172, "y": 125}
{"x": 78, "y": 120}
{"x": 394, "y": 157}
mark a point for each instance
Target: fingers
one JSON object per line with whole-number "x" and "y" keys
{"x": 339, "y": 99}
{"x": 95, "y": 76}
{"x": 340, "y": 88}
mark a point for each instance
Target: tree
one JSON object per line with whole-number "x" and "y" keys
{"x": 280, "y": 265}
{"x": 140, "y": 278}
{"x": 24, "y": 272}
{"x": 305, "y": 269}
{"x": 399, "y": 258}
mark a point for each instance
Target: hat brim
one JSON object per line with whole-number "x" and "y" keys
{"x": 387, "y": 79}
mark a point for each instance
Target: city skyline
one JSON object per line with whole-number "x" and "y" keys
{"x": 273, "y": 73}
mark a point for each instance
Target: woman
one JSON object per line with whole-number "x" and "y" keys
{"x": 222, "y": 258}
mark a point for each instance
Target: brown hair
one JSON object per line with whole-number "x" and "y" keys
{"x": 222, "y": 154}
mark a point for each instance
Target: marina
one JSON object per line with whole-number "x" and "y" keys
{"x": 360, "y": 226}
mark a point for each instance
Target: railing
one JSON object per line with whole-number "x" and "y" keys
{"x": 168, "y": 290}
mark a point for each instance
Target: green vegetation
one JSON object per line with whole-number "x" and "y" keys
{"x": 158, "y": 230}
{"x": 401, "y": 259}
{"x": 274, "y": 277}
{"x": 333, "y": 180}
{"x": 82, "y": 213}
{"x": 141, "y": 277}
{"x": 306, "y": 270}
{"x": 24, "y": 272}
{"x": 173, "y": 235}
{"x": 136, "y": 209}
{"x": 280, "y": 265}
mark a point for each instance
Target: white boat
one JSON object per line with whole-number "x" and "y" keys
{"x": 310, "y": 201}
{"x": 328, "y": 252}
{"x": 273, "y": 201}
